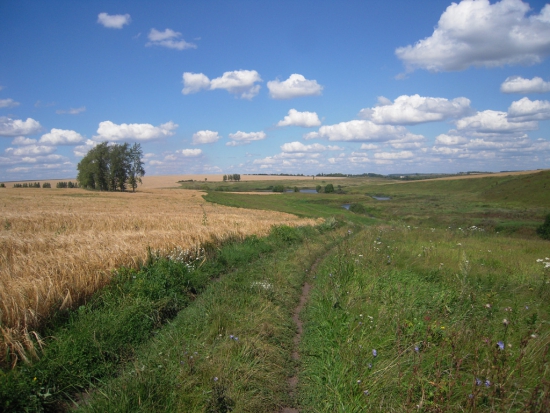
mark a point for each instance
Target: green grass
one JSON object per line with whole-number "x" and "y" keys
{"x": 432, "y": 303}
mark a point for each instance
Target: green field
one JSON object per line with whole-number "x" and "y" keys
{"x": 436, "y": 300}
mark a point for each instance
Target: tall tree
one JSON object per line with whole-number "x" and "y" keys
{"x": 136, "y": 171}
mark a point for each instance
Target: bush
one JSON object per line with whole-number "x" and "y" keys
{"x": 278, "y": 188}
{"x": 319, "y": 188}
{"x": 329, "y": 188}
{"x": 46, "y": 185}
{"x": 2, "y": 185}
{"x": 544, "y": 229}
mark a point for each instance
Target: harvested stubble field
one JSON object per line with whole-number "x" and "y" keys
{"x": 59, "y": 245}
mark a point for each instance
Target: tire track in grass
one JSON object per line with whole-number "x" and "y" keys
{"x": 304, "y": 297}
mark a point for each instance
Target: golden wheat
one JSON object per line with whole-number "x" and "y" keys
{"x": 59, "y": 245}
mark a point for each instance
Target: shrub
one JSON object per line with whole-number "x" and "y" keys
{"x": 2, "y": 185}
{"x": 544, "y": 229}
{"x": 319, "y": 188}
{"x": 329, "y": 188}
{"x": 278, "y": 188}
{"x": 46, "y": 185}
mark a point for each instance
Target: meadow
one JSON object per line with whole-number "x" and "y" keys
{"x": 58, "y": 246}
{"x": 435, "y": 300}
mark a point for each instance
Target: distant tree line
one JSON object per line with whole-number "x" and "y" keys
{"x": 111, "y": 167}
{"x": 232, "y": 177}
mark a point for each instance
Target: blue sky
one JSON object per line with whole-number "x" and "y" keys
{"x": 276, "y": 87}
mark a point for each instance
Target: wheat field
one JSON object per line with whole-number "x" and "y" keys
{"x": 59, "y": 245}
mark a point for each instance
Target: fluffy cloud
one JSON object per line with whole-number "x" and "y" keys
{"x": 303, "y": 119}
{"x": 61, "y": 137}
{"x": 525, "y": 110}
{"x": 359, "y": 131}
{"x": 135, "y": 131}
{"x": 238, "y": 82}
{"x": 244, "y": 138}
{"x": 82, "y": 150}
{"x": 115, "y": 21}
{"x": 293, "y": 147}
{"x": 21, "y": 140}
{"x": 194, "y": 82}
{"x": 368, "y": 146}
{"x": 190, "y": 153}
{"x": 450, "y": 140}
{"x": 168, "y": 38}
{"x": 517, "y": 84}
{"x": 71, "y": 111}
{"x": 478, "y": 33}
{"x": 493, "y": 122}
{"x": 241, "y": 82}
{"x": 409, "y": 110}
{"x": 11, "y": 127}
{"x": 8, "y": 103}
{"x": 205, "y": 136}
{"x": 295, "y": 86}
{"x": 30, "y": 150}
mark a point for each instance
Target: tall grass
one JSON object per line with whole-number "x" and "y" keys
{"x": 432, "y": 320}
{"x": 58, "y": 247}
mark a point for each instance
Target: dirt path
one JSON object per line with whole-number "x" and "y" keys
{"x": 306, "y": 288}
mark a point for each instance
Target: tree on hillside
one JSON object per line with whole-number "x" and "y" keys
{"x": 111, "y": 167}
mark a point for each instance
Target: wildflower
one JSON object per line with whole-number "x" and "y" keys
{"x": 470, "y": 396}
{"x": 478, "y": 382}
{"x": 416, "y": 349}
{"x": 505, "y": 322}
{"x": 487, "y": 383}
{"x": 500, "y": 345}
{"x": 374, "y": 353}
{"x": 231, "y": 336}
{"x": 358, "y": 381}
{"x": 215, "y": 379}
{"x": 369, "y": 366}
{"x": 366, "y": 392}
{"x": 487, "y": 305}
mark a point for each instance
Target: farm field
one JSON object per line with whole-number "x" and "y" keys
{"x": 433, "y": 300}
{"x": 59, "y": 245}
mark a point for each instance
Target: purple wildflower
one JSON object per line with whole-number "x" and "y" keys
{"x": 487, "y": 383}
{"x": 500, "y": 345}
{"x": 478, "y": 382}
{"x": 374, "y": 353}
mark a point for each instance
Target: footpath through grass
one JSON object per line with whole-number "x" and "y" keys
{"x": 431, "y": 320}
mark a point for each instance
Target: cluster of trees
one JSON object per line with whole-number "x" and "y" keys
{"x": 65, "y": 185}
{"x": 327, "y": 189}
{"x": 111, "y": 167}
{"x": 27, "y": 185}
{"x": 232, "y": 177}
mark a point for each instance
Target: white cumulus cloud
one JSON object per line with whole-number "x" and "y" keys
{"x": 8, "y": 103}
{"x": 478, "y": 33}
{"x": 238, "y": 82}
{"x": 295, "y": 86}
{"x": 168, "y": 38}
{"x": 244, "y": 138}
{"x": 302, "y": 119}
{"x": 134, "y": 131}
{"x": 61, "y": 137}
{"x": 359, "y": 131}
{"x": 517, "y": 84}
{"x": 30, "y": 150}
{"x": 14, "y": 127}
{"x": 409, "y": 110}
{"x": 190, "y": 153}
{"x": 292, "y": 147}
{"x": 450, "y": 140}
{"x": 114, "y": 21}
{"x": 493, "y": 122}
{"x": 21, "y": 140}
{"x": 194, "y": 82}
{"x": 525, "y": 110}
{"x": 394, "y": 155}
{"x": 205, "y": 136}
